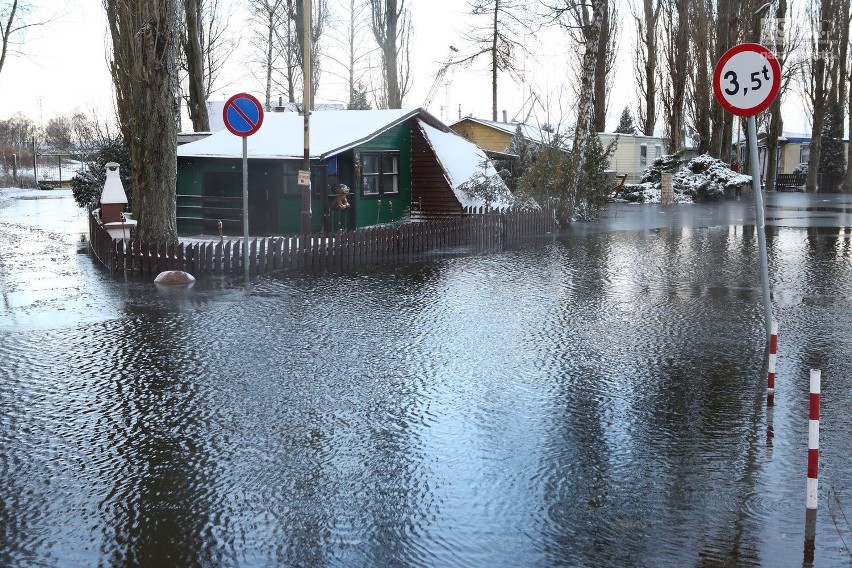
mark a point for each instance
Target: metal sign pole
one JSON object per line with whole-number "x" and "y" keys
{"x": 245, "y": 213}
{"x": 760, "y": 222}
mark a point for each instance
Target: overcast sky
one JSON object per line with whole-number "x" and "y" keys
{"x": 64, "y": 68}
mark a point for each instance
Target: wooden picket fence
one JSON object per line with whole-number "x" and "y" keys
{"x": 478, "y": 229}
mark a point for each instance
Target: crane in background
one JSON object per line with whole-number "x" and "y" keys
{"x": 532, "y": 99}
{"x": 439, "y": 77}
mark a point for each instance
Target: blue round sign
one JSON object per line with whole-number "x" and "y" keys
{"x": 243, "y": 114}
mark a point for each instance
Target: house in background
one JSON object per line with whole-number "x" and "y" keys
{"x": 794, "y": 149}
{"x": 634, "y": 152}
{"x": 389, "y": 160}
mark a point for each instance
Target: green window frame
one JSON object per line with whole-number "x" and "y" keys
{"x": 379, "y": 174}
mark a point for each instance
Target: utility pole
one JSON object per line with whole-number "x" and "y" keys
{"x": 306, "y": 112}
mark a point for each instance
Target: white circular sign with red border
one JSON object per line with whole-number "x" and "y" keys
{"x": 747, "y": 79}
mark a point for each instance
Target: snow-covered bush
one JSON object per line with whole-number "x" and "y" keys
{"x": 488, "y": 186}
{"x": 87, "y": 185}
{"x": 801, "y": 169}
{"x": 702, "y": 179}
{"x": 669, "y": 163}
{"x": 705, "y": 179}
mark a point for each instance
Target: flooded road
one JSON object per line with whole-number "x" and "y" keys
{"x": 591, "y": 399}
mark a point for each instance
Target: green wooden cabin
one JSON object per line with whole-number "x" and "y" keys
{"x": 389, "y": 159}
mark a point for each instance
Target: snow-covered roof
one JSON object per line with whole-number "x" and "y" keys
{"x": 461, "y": 160}
{"x": 531, "y": 132}
{"x": 282, "y": 134}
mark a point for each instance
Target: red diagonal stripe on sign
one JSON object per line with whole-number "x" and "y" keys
{"x": 242, "y": 114}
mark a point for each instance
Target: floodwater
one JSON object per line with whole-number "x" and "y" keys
{"x": 595, "y": 398}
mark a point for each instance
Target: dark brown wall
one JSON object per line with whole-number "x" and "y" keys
{"x": 429, "y": 187}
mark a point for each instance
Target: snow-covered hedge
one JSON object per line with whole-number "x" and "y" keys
{"x": 702, "y": 179}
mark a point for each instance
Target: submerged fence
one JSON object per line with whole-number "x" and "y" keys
{"x": 478, "y": 229}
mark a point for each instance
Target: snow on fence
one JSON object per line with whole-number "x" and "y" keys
{"x": 479, "y": 229}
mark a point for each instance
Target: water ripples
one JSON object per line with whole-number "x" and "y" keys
{"x": 597, "y": 400}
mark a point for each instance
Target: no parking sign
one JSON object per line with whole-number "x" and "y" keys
{"x": 243, "y": 114}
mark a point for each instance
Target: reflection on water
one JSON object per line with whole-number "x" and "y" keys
{"x": 593, "y": 400}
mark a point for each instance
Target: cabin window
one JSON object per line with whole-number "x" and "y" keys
{"x": 804, "y": 153}
{"x": 643, "y": 156}
{"x": 658, "y": 151}
{"x": 379, "y": 173}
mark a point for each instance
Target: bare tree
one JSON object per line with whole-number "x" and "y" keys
{"x": 268, "y": 16}
{"x": 700, "y": 93}
{"x": 288, "y": 46}
{"x": 217, "y": 44}
{"x": 206, "y": 48}
{"x": 727, "y": 26}
{"x": 565, "y": 14}
{"x": 502, "y": 22}
{"x": 392, "y": 30}
{"x": 781, "y": 34}
{"x": 847, "y": 179}
{"x": 823, "y": 18}
{"x": 144, "y": 73}
{"x": 677, "y": 61}
{"x": 13, "y": 20}
{"x": 645, "y": 63}
{"x": 17, "y": 132}
{"x": 350, "y": 39}
{"x": 196, "y": 101}
{"x": 319, "y": 19}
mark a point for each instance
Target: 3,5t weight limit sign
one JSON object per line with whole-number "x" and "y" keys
{"x": 747, "y": 79}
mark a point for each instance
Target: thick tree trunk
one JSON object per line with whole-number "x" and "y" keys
{"x": 702, "y": 90}
{"x": 599, "y": 101}
{"x": 652, "y": 16}
{"x": 386, "y": 16}
{"x": 143, "y": 36}
{"x": 567, "y": 201}
{"x": 677, "y": 56}
{"x": 816, "y": 130}
{"x": 197, "y": 103}
{"x": 847, "y": 181}
{"x": 776, "y": 123}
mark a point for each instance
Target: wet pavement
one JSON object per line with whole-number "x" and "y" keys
{"x": 594, "y": 398}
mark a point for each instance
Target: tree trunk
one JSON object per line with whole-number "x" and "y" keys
{"x": 197, "y": 103}
{"x": 652, "y": 16}
{"x": 494, "y": 62}
{"x": 143, "y": 36}
{"x": 702, "y": 92}
{"x": 776, "y": 124}
{"x": 847, "y": 181}
{"x": 269, "y": 60}
{"x": 6, "y": 29}
{"x": 386, "y": 15}
{"x": 599, "y": 102}
{"x": 816, "y": 130}
{"x": 677, "y": 56}
{"x": 567, "y": 201}
{"x": 390, "y": 48}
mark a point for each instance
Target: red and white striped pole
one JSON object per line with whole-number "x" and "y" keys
{"x": 773, "y": 354}
{"x": 813, "y": 441}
